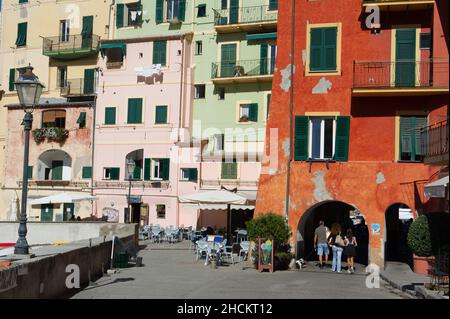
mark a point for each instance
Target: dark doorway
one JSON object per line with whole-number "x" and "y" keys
{"x": 331, "y": 212}
{"x": 136, "y": 213}
{"x": 396, "y": 245}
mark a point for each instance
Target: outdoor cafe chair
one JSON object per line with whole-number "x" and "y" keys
{"x": 241, "y": 235}
{"x": 245, "y": 246}
{"x": 201, "y": 248}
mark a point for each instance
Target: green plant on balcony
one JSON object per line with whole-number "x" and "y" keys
{"x": 55, "y": 134}
{"x": 38, "y": 135}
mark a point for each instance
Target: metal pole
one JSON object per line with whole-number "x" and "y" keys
{"x": 129, "y": 202}
{"x": 22, "y": 247}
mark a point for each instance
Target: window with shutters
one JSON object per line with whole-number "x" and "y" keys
{"x": 54, "y": 118}
{"x": 248, "y": 113}
{"x": 135, "y": 111}
{"x": 13, "y": 75}
{"x": 161, "y": 211}
{"x": 201, "y": 10}
{"x": 322, "y": 138}
{"x": 86, "y": 172}
{"x": 229, "y": 170}
{"x": 160, "y": 52}
{"x": 21, "y": 39}
{"x": 160, "y": 169}
{"x": 62, "y": 77}
{"x": 129, "y": 15}
{"x": 411, "y": 140}
{"x": 273, "y": 5}
{"x": 110, "y": 115}
{"x": 200, "y": 91}
{"x": 323, "y": 49}
{"x": 161, "y": 114}
{"x": 189, "y": 174}
{"x": 111, "y": 173}
{"x": 198, "y": 47}
{"x": 81, "y": 121}
{"x": 174, "y": 10}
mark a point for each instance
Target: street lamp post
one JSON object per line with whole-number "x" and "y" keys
{"x": 131, "y": 165}
{"x": 29, "y": 90}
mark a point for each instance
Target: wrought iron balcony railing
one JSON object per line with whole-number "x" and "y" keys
{"x": 70, "y": 46}
{"x": 79, "y": 87}
{"x": 243, "y": 68}
{"x": 400, "y": 74}
{"x": 392, "y": 1}
{"x": 242, "y": 15}
{"x": 435, "y": 142}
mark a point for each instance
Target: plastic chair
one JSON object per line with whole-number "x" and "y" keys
{"x": 201, "y": 248}
{"x": 245, "y": 246}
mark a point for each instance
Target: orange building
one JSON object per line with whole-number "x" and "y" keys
{"x": 368, "y": 76}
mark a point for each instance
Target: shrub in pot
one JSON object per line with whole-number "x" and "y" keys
{"x": 419, "y": 237}
{"x": 271, "y": 226}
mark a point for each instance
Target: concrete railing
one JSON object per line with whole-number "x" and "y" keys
{"x": 47, "y": 233}
{"x": 47, "y": 275}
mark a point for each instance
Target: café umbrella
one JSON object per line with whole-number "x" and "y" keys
{"x": 61, "y": 198}
{"x": 216, "y": 198}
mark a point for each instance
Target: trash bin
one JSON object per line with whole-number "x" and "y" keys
{"x": 121, "y": 260}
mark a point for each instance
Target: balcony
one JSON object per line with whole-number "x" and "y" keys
{"x": 386, "y": 78}
{"x": 109, "y": 184}
{"x": 247, "y": 71}
{"x": 399, "y": 5}
{"x": 78, "y": 87}
{"x": 257, "y": 18}
{"x": 71, "y": 47}
{"x": 38, "y": 184}
{"x": 435, "y": 143}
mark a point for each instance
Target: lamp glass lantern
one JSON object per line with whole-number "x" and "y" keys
{"x": 29, "y": 89}
{"x": 131, "y": 166}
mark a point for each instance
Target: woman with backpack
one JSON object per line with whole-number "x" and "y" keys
{"x": 350, "y": 250}
{"x": 337, "y": 245}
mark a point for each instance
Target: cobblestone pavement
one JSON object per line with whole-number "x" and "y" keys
{"x": 171, "y": 271}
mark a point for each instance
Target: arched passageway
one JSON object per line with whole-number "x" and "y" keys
{"x": 332, "y": 212}
{"x": 398, "y": 219}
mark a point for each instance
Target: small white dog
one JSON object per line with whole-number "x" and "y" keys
{"x": 301, "y": 263}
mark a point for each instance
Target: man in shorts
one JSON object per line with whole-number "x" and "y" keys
{"x": 321, "y": 243}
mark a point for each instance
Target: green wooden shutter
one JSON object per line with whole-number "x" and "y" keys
{"x": 301, "y": 138}
{"x": 161, "y": 114}
{"x": 264, "y": 51}
{"x": 315, "y": 49}
{"x": 330, "y": 48}
{"x": 159, "y": 11}
{"x": 57, "y": 170}
{"x": 89, "y": 80}
{"x": 21, "y": 34}
{"x": 228, "y": 57}
{"x": 114, "y": 173}
{"x": 135, "y": 111}
{"x": 229, "y": 170}
{"x": 119, "y": 15}
{"x": 193, "y": 174}
{"x": 148, "y": 169}
{"x": 273, "y": 4}
{"x": 159, "y": 52}
{"x": 253, "y": 112}
{"x": 421, "y": 123}
{"x": 406, "y": 142}
{"x": 21, "y": 1}
{"x": 12, "y": 78}
{"x": 88, "y": 26}
{"x": 110, "y": 115}
{"x": 82, "y": 120}
{"x": 342, "y": 138}
{"x": 137, "y": 170}
{"x": 182, "y": 10}
{"x": 86, "y": 172}
{"x": 30, "y": 172}
{"x": 405, "y": 58}
{"x": 165, "y": 168}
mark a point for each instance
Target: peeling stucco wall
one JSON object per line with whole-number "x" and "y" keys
{"x": 320, "y": 188}
{"x": 322, "y": 87}
{"x": 380, "y": 178}
{"x": 286, "y": 81}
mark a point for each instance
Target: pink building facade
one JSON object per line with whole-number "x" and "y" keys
{"x": 143, "y": 114}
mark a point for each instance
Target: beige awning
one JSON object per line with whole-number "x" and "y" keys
{"x": 437, "y": 188}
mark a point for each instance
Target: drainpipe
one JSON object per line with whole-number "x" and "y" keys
{"x": 94, "y": 107}
{"x": 291, "y": 116}
{"x": 111, "y": 10}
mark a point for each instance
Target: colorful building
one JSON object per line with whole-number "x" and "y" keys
{"x": 349, "y": 112}
{"x": 218, "y": 102}
{"x": 61, "y": 41}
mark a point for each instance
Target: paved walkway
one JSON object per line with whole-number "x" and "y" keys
{"x": 174, "y": 273}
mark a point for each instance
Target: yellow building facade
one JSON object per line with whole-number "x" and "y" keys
{"x": 60, "y": 39}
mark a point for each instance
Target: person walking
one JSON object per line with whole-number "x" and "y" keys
{"x": 350, "y": 250}
{"x": 320, "y": 243}
{"x": 337, "y": 245}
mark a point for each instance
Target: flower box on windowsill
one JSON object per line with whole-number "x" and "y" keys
{"x": 53, "y": 134}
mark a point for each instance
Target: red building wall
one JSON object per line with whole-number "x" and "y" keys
{"x": 371, "y": 180}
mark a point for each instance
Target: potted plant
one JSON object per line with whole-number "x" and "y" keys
{"x": 272, "y": 226}
{"x": 56, "y": 134}
{"x": 38, "y": 135}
